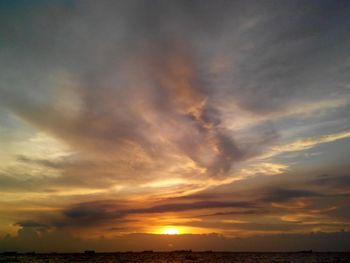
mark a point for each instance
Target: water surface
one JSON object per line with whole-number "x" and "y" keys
{"x": 164, "y": 257}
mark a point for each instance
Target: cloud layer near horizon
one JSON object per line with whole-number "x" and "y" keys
{"x": 227, "y": 117}
{"x": 63, "y": 242}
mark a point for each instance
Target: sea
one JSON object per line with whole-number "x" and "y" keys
{"x": 183, "y": 257}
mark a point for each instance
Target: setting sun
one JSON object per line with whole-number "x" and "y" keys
{"x": 171, "y": 231}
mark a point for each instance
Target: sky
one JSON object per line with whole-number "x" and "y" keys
{"x": 133, "y": 125}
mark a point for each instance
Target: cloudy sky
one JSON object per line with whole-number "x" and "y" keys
{"x": 226, "y": 122}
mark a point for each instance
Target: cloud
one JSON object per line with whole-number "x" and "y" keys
{"x": 28, "y": 224}
{"x": 281, "y": 195}
{"x": 158, "y": 101}
{"x": 178, "y": 108}
{"x": 63, "y": 242}
{"x": 239, "y": 212}
{"x": 177, "y": 207}
{"x": 278, "y": 206}
{"x": 86, "y": 214}
{"x": 307, "y": 143}
{"x": 134, "y": 105}
{"x": 43, "y": 162}
{"x": 340, "y": 181}
{"x": 132, "y": 108}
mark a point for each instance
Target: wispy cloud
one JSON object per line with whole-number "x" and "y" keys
{"x": 181, "y": 109}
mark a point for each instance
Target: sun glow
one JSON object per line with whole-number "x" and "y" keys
{"x": 179, "y": 229}
{"x": 171, "y": 231}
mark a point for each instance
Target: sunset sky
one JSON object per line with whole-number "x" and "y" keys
{"x": 132, "y": 125}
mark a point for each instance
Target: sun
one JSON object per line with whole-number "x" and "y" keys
{"x": 171, "y": 231}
